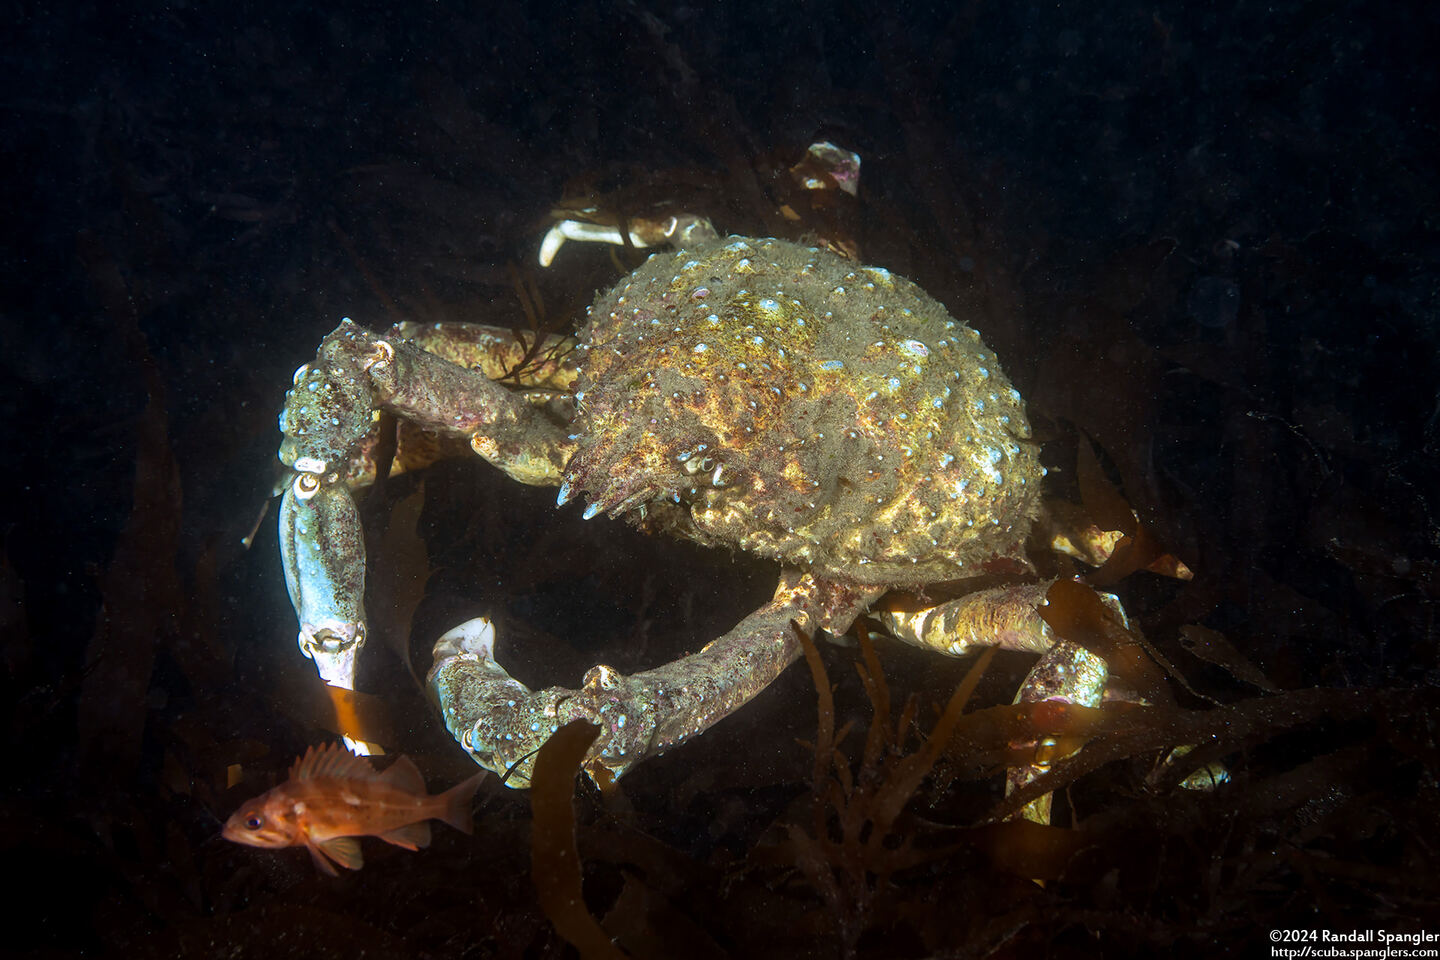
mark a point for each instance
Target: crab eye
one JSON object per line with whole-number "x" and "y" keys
{"x": 254, "y": 822}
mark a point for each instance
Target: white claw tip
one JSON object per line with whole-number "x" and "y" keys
{"x": 590, "y": 511}
{"x": 550, "y": 246}
{"x": 475, "y": 636}
{"x": 565, "y": 494}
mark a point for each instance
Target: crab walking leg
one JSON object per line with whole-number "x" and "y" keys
{"x": 683, "y": 230}
{"x": 1009, "y": 618}
{"x": 327, "y": 422}
{"x": 1004, "y": 617}
{"x": 1066, "y": 673}
{"x": 501, "y": 723}
{"x": 323, "y": 551}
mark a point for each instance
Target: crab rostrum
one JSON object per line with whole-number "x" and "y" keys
{"x": 744, "y": 393}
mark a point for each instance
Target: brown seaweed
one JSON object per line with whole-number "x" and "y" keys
{"x": 851, "y": 849}
{"x": 554, "y": 859}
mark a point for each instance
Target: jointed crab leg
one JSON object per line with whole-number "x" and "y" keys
{"x": 356, "y": 373}
{"x": 501, "y": 723}
{"x": 682, "y": 230}
{"x": 1067, "y": 673}
{"x": 1009, "y": 618}
{"x": 1005, "y": 617}
{"x": 327, "y": 418}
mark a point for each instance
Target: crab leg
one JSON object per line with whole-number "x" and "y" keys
{"x": 682, "y": 230}
{"x": 356, "y": 373}
{"x": 1066, "y": 673}
{"x": 1004, "y": 617}
{"x": 501, "y": 723}
{"x": 327, "y": 420}
{"x": 1009, "y": 618}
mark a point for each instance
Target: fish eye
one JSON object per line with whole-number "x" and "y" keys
{"x": 254, "y": 822}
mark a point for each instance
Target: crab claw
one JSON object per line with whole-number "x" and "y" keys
{"x": 473, "y": 639}
{"x": 501, "y": 723}
{"x": 322, "y": 548}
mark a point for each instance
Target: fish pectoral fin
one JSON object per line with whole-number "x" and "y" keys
{"x": 412, "y": 836}
{"x": 322, "y": 862}
{"x": 343, "y": 850}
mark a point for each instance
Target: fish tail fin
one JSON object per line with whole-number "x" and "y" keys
{"x": 457, "y": 802}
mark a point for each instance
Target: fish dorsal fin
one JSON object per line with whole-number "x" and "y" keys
{"x": 403, "y": 775}
{"x": 412, "y": 836}
{"x": 344, "y": 851}
{"x": 332, "y": 760}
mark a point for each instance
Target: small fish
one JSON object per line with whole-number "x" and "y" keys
{"x": 333, "y": 796}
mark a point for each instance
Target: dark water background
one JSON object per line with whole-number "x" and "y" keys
{"x": 1204, "y": 236}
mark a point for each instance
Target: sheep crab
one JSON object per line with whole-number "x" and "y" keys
{"x": 737, "y": 392}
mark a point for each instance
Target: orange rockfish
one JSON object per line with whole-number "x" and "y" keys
{"x": 333, "y": 796}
